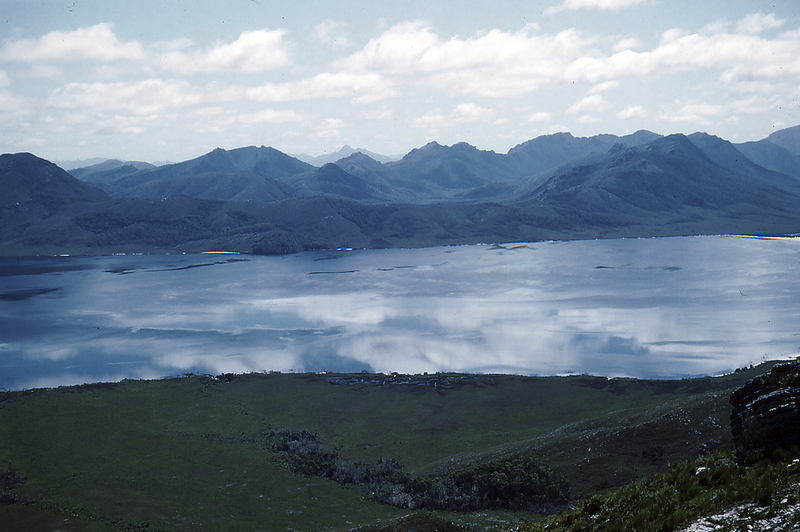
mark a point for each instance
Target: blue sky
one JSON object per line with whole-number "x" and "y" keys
{"x": 171, "y": 80}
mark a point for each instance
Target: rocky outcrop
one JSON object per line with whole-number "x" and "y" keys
{"x": 766, "y": 412}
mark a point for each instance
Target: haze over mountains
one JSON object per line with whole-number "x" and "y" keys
{"x": 260, "y": 200}
{"x": 345, "y": 151}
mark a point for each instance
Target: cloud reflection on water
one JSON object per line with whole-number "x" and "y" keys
{"x": 656, "y": 308}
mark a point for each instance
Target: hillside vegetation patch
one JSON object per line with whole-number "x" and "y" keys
{"x": 333, "y": 452}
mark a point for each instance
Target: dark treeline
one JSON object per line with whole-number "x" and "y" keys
{"x": 514, "y": 483}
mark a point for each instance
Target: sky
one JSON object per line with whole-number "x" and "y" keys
{"x": 169, "y": 80}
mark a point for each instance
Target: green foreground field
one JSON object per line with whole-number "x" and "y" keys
{"x": 194, "y": 453}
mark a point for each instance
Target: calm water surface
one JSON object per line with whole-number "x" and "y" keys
{"x": 668, "y": 307}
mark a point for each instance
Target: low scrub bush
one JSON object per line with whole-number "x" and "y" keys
{"x": 516, "y": 483}
{"x": 685, "y": 492}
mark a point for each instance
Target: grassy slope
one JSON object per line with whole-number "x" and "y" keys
{"x": 761, "y": 494}
{"x": 188, "y": 453}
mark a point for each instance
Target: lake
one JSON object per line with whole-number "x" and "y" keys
{"x": 649, "y": 308}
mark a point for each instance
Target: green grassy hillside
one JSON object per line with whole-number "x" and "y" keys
{"x": 199, "y": 452}
{"x": 714, "y": 491}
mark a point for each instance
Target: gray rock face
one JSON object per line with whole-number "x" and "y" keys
{"x": 766, "y": 412}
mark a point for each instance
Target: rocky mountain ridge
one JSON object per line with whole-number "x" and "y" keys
{"x": 260, "y": 200}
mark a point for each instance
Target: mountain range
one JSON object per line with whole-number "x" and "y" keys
{"x": 260, "y": 200}
{"x": 345, "y": 151}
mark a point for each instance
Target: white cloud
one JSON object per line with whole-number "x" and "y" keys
{"x": 207, "y": 113}
{"x": 92, "y": 79}
{"x": 627, "y": 44}
{"x": 493, "y": 64}
{"x": 632, "y": 111}
{"x": 326, "y": 32}
{"x": 742, "y": 86}
{"x": 139, "y": 98}
{"x": 591, "y": 4}
{"x": 469, "y": 112}
{"x": 95, "y": 43}
{"x": 500, "y": 64}
{"x": 755, "y": 104}
{"x": 270, "y": 116}
{"x": 361, "y": 88}
{"x": 604, "y": 86}
{"x": 12, "y": 106}
{"x": 718, "y": 26}
{"x": 399, "y": 50}
{"x": 540, "y": 116}
{"x": 504, "y": 64}
{"x": 92, "y": 122}
{"x": 708, "y": 51}
{"x": 253, "y": 51}
{"x": 384, "y": 113}
{"x": 594, "y": 103}
{"x": 694, "y": 112}
{"x": 755, "y": 23}
{"x": 433, "y": 119}
{"x": 209, "y": 119}
{"x": 329, "y": 128}
{"x": 737, "y": 56}
{"x": 462, "y": 114}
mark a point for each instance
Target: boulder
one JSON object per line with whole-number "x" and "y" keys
{"x": 766, "y": 412}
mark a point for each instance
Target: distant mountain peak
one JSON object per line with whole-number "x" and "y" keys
{"x": 427, "y": 148}
{"x": 434, "y": 146}
{"x": 464, "y": 146}
{"x": 344, "y": 152}
{"x": 677, "y": 142}
{"x": 788, "y": 139}
{"x": 330, "y": 167}
{"x": 28, "y": 179}
{"x": 357, "y": 157}
{"x": 675, "y": 139}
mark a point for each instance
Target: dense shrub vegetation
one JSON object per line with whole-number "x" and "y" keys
{"x": 516, "y": 483}
{"x": 9, "y": 479}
